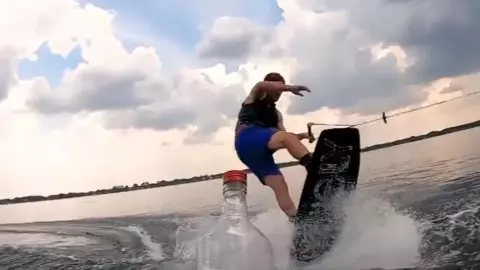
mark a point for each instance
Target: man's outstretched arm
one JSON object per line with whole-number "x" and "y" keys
{"x": 274, "y": 87}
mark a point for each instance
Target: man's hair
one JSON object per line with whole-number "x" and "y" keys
{"x": 274, "y": 77}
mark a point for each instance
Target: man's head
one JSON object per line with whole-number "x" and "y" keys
{"x": 274, "y": 77}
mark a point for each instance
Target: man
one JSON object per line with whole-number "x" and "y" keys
{"x": 260, "y": 132}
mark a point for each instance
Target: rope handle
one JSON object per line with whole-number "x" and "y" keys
{"x": 311, "y": 138}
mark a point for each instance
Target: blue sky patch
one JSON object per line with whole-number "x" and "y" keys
{"x": 173, "y": 28}
{"x": 180, "y": 21}
{"x": 49, "y": 65}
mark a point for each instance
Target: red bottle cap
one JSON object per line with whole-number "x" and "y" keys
{"x": 234, "y": 175}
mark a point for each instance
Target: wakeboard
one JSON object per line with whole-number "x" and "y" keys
{"x": 334, "y": 168}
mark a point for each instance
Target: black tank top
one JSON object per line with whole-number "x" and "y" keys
{"x": 261, "y": 112}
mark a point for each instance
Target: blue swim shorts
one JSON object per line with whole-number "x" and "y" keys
{"x": 251, "y": 145}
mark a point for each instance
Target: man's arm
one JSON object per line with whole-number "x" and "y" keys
{"x": 281, "y": 126}
{"x": 264, "y": 87}
{"x": 274, "y": 87}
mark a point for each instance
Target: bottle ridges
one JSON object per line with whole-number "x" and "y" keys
{"x": 234, "y": 175}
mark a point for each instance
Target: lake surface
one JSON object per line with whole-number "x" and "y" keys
{"x": 417, "y": 205}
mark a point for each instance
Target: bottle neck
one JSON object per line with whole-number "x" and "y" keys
{"x": 234, "y": 203}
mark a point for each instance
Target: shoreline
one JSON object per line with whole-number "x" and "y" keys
{"x": 163, "y": 183}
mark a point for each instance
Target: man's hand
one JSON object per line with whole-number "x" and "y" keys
{"x": 297, "y": 89}
{"x": 306, "y": 135}
{"x": 311, "y": 138}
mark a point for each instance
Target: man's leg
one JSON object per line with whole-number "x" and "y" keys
{"x": 269, "y": 173}
{"x": 279, "y": 186}
{"x": 294, "y": 146}
{"x": 251, "y": 147}
{"x": 289, "y": 141}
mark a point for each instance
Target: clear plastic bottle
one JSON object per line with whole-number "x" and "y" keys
{"x": 234, "y": 243}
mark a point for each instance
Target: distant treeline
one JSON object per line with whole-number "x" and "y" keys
{"x": 163, "y": 183}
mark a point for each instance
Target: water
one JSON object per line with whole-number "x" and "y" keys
{"x": 417, "y": 205}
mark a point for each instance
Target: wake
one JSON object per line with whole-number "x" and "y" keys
{"x": 374, "y": 235}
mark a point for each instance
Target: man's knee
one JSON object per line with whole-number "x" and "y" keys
{"x": 277, "y": 141}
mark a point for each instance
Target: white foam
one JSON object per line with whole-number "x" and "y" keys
{"x": 42, "y": 240}
{"x": 188, "y": 234}
{"x": 155, "y": 249}
{"x": 272, "y": 223}
{"x": 276, "y": 227}
{"x": 375, "y": 235}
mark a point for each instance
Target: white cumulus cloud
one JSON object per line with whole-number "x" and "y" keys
{"x": 121, "y": 117}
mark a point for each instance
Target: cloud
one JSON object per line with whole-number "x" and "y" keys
{"x": 7, "y": 71}
{"x": 452, "y": 88}
{"x": 92, "y": 89}
{"x": 136, "y": 105}
{"x": 233, "y": 38}
{"x": 136, "y": 93}
{"x": 439, "y": 35}
{"x": 335, "y": 58}
{"x": 132, "y": 90}
{"x": 333, "y": 45}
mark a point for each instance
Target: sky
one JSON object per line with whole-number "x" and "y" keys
{"x": 95, "y": 94}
